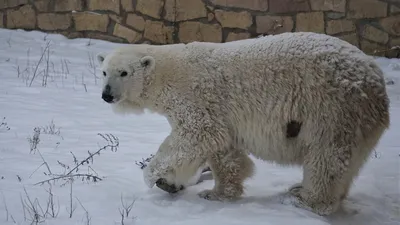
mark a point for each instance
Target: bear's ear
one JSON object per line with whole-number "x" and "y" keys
{"x": 148, "y": 62}
{"x": 101, "y": 57}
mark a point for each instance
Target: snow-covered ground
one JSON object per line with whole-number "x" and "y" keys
{"x": 65, "y": 94}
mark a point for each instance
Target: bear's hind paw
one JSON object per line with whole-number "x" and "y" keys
{"x": 320, "y": 209}
{"x": 302, "y": 199}
{"x": 209, "y": 195}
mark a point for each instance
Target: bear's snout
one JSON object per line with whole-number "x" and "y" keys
{"x": 163, "y": 185}
{"x": 106, "y": 95}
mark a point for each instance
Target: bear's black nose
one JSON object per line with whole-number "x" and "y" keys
{"x": 106, "y": 96}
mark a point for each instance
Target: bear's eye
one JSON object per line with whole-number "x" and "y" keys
{"x": 104, "y": 73}
{"x": 124, "y": 73}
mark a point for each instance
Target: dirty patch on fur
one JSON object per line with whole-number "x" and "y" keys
{"x": 293, "y": 129}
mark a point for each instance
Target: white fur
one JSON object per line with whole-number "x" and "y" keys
{"x": 227, "y": 100}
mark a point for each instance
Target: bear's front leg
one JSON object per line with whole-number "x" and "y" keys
{"x": 230, "y": 168}
{"x": 174, "y": 166}
{"x": 199, "y": 136}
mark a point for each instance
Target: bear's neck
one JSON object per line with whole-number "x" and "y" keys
{"x": 162, "y": 87}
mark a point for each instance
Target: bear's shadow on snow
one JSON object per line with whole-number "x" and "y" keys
{"x": 357, "y": 209}
{"x": 205, "y": 176}
{"x": 366, "y": 210}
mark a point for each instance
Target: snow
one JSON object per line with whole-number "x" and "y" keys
{"x": 72, "y": 100}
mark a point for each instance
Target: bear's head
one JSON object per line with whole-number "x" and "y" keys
{"x": 125, "y": 76}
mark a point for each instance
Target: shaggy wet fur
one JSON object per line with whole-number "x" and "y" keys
{"x": 294, "y": 99}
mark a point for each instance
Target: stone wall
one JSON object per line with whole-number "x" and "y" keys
{"x": 372, "y": 25}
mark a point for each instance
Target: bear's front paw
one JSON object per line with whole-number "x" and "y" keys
{"x": 209, "y": 195}
{"x": 295, "y": 189}
{"x": 215, "y": 195}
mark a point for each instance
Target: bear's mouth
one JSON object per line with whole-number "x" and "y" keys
{"x": 113, "y": 100}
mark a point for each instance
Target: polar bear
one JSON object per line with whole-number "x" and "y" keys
{"x": 302, "y": 99}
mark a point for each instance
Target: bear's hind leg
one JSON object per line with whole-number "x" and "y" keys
{"x": 326, "y": 178}
{"x": 358, "y": 160}
{"x": 229, "y": 170}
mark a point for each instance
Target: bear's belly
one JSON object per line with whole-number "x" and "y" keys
{"x": 270, "y": 144}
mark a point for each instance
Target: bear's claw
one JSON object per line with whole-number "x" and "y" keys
{"x": 209, "y": 195}
{"x": 295, "y": 189}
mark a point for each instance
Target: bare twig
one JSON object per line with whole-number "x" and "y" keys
{"x": 51, "y": 129}
{"x": 89, "y": 42}
{"x": 142, "y": 164}
{"x": 90, "y": 169}
{"x": 36, "y": 169}
{"x": 88, "y": 218}
{"x": 46, "y": 75}
{"x": 83, "y": 82}
{"x": 64, "y": 68}
{"x": 11, "y": 216}
{"x": 69, "y": 175}
{"x": 93, "y": 66}
{"x": 44, "y": 163}
{"x": 83, "y": 176}
{"x": 33, "y": 209}
{"x": 5, "y": 206}
{"x": 40, "y": 61}
{"x": 23, "y": 206}
{"x": 113, "y": 146}
{"x": 4, "y": 126}
{"x": 71, "y": 208}
{"x": 122, "y": 216}
{"x": 127, "y": 208}
{"x": 9, "y": 40}
{"x": 51, "y": 208}
{"x": 34, "y": 141}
